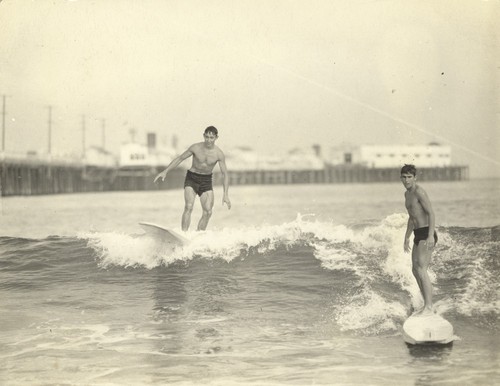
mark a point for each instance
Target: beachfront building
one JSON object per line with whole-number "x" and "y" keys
{"x": 135, "y": 155}
{"x": 392, "y": 156}
{"x": 297, "y": 166}
{"x": 139, "y": 163}
{"x": 97, "y": 156}
{"x": 244, "y": 158}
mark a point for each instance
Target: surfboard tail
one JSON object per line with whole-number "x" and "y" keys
{"x": 427, "y": 329}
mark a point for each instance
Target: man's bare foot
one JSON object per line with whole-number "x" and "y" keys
{"x": 426, "y": 311}
{"x": 418, "y": 311}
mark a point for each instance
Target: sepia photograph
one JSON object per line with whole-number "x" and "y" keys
{"x": 249, "y": 192}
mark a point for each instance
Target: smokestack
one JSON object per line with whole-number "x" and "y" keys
{"x": 151, "y": 141}
{"x": 317, "y": 150}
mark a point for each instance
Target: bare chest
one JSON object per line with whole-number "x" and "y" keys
{"x": 206, "y": 156}
{"x": 412, "y": 204}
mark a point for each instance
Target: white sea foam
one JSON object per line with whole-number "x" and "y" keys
{"x": 124, "y": 250}
{"x": 374, "y": 253}
{"x": 480, "y": 295}
{"x": 370, "y": 313}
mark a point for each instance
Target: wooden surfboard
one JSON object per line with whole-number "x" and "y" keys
{"x": 427, "y": 329}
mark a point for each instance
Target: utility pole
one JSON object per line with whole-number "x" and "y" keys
{"x": 83, "y": 136}
{"x": 4, "y": 97}
{"x": 50, "y": 129}
{"x": 3, "y": 169}
{"x": 132, "y": 131}
{"x": 103, "y": 125}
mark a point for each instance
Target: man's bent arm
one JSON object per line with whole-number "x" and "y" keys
{"x": 409, "y": 230}
{"x": 426, "y": 205}
{"x": 174, "y": 163}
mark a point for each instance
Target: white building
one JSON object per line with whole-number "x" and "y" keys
{"x": 97, "y": 156}
{"x": 135, "y": 155}
{"x": 241, "y": 158}
{"x": 244, "y": 158}
{"x": 389, "y": 156}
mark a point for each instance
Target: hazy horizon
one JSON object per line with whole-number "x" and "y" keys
{"x": 271, "y": 75}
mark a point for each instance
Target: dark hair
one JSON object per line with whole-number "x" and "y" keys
{"x": 409, "y": 168}
{"x": 211, "y": 129}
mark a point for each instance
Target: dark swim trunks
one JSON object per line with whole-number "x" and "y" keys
{"x": 422, "y": 233}
{"x": 200, "y": 183}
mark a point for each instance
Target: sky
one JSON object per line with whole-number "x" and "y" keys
{"x": 272, "y": 75}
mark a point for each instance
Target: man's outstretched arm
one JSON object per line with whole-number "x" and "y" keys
{"x": 225, "y": 180}
{"x": 173, "y": 164}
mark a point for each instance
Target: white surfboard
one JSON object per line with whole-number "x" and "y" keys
{"x": 427, "y": 329}
{"x": 164, "y": 234}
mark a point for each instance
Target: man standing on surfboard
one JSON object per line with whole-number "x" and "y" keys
{"x": 199, "y": 177}
{"x": 421, "y": 222}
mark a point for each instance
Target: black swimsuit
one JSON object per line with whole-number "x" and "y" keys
{"x": 422, "y": 234}
{"x": 200, "y": 183}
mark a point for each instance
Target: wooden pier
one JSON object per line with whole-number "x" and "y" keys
{"x": 29, "y": 177}
{"x": 24, "y": 178}
{"x": 344, "y": 174}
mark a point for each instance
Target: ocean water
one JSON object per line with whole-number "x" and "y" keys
{"x": 295, "y": 285}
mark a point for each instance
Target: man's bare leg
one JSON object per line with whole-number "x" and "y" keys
{"x": 189, "y": 197}
{"x": 421, "y": 257}
{"x": 207, "y": 203}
